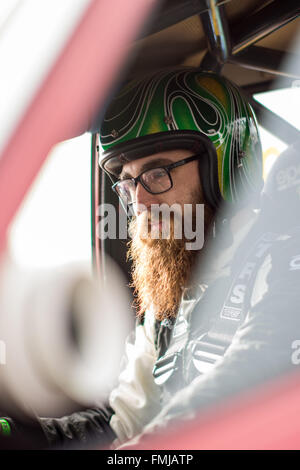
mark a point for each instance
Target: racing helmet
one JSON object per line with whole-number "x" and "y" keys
{"x": 187, "y": 108}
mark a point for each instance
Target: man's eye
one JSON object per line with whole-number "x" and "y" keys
{"x": 158, "y": 173}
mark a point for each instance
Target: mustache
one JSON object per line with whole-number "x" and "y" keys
{"x": 151, "y": 222}
{"x": 174, "y": 222}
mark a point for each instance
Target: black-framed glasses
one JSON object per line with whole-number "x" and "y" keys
{"x": 156, "y": 180}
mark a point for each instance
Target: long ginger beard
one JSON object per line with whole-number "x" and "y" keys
{"x": 161, "y": 268}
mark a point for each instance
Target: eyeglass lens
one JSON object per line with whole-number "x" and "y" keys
{"x": 156, "y": 180}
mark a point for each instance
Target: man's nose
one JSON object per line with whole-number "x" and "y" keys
{"x": 143, "y": 199}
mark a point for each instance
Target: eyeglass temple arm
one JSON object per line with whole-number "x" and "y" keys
{"x": 183, "y": 162}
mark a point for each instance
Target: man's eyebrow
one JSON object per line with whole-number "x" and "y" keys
{"x": 147, "y": 166}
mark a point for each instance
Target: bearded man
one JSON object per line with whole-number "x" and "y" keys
{"x": 188, "y": 139}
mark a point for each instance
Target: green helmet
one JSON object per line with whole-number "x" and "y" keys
{"x": 186, "y": 108}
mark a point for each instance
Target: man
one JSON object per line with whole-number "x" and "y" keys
{"x": 187, "y": 138}
{"x": 201, "y": 122}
